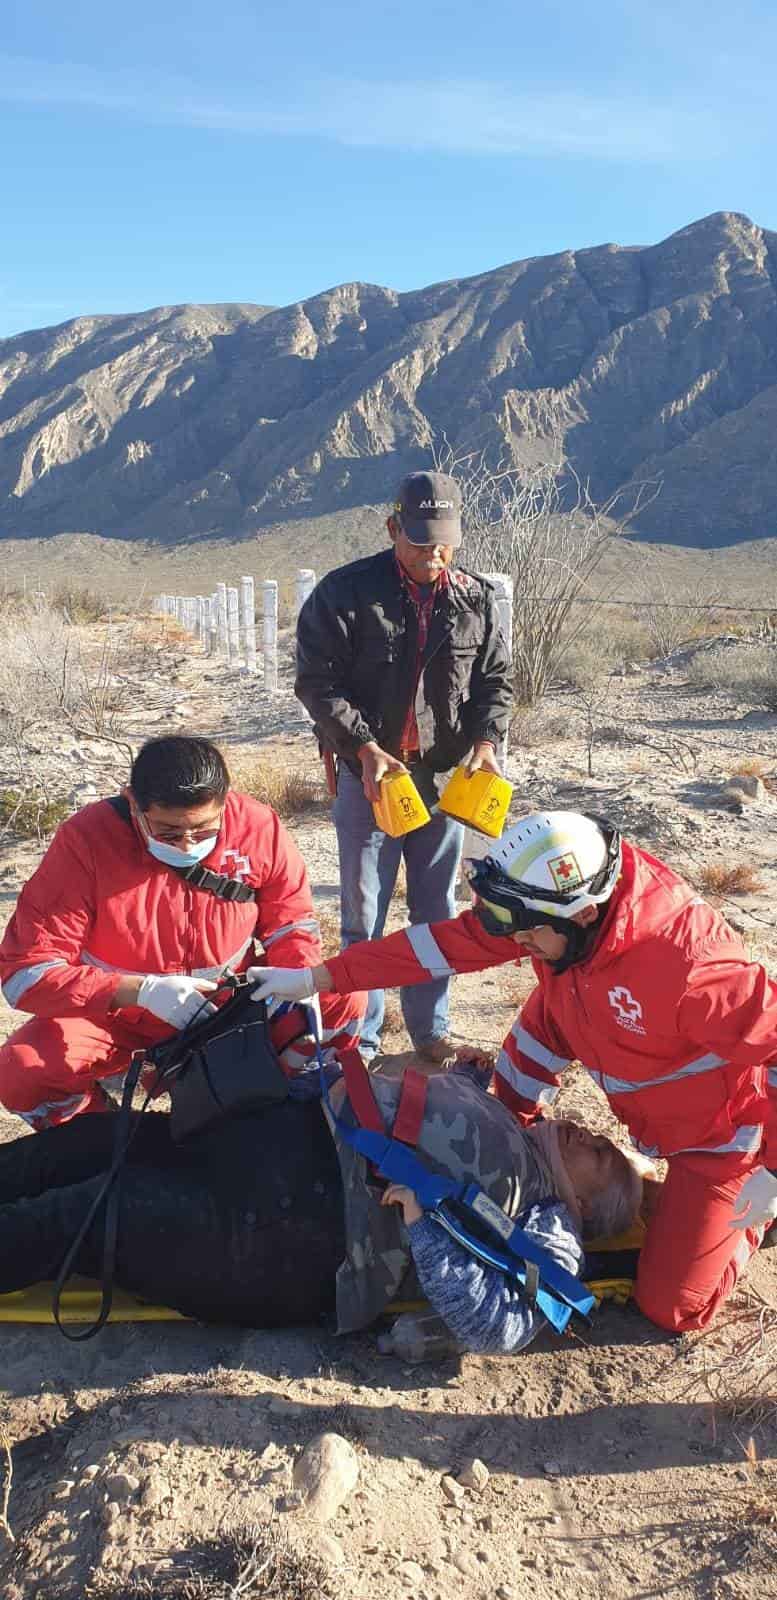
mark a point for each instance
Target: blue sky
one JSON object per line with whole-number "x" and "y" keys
{"x": 166, "y": 152}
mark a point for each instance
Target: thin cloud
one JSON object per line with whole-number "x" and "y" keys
{"x": 457, "y": 116}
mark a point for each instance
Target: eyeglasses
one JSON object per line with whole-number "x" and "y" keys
{"x": 178, "y": 835}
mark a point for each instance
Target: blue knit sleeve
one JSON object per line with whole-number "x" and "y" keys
{"x": 486, "y": 1311}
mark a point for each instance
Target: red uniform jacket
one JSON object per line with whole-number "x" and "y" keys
{"x": 667, "y": 1014}
{"x": 100, "y": 905}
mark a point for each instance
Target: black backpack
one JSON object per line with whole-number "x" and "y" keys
{"x": 224, "y": 1065}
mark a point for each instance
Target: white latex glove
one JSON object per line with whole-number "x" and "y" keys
{"x": 757, "y": 1201}
{"x": 281, "y": 983}
{"x": 176, "y": 999}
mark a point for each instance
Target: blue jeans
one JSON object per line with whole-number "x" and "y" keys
{"x": 369, "y": 863}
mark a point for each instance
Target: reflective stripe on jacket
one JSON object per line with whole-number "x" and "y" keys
{"x": 667, "y": 1014}
{"x": 100, "y": 904}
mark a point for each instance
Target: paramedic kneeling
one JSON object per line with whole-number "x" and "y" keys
{"x": 138, "y": 907}
{"x": 651, "y": 989}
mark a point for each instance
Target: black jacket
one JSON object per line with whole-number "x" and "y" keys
{"x": 356, "y": 654}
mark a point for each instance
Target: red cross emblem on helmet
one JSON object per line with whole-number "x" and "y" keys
{"x": 565, "y": 871}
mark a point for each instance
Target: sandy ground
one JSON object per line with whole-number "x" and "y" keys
{"x": 619, "y": 1460}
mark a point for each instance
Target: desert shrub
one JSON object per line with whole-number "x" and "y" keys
{"x": 583, "y": 663}
{"x": 257, "y": 1562}
{"x": 79, "y": 604}
{"x": 624, "y": 636}
{"x": 30, "y": 816}
{"x": 753, "y": 767}
{"x": 736, "y": 878}
{"x": 287, "y": 789}
{"x": 748, "y": 671}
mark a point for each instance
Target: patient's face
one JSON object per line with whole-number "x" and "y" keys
{"x": 588, "y": 1157}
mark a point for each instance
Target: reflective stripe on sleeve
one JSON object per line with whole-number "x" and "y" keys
{"x": 531, "y": 1047}
{"x": 39, "y": 1117}
{"x": 746, "y": 1140}
{"x": 611, "y": 1085}
{"x": 532, "y": 1089}
{"x": 305, "y": 925}
{"x": 427, "y": 951}
{"x": 19, "y": 982}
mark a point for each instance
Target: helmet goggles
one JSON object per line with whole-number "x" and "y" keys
{"x": 489, "y": 882}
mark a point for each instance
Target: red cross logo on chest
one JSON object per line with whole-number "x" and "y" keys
{"x": 241, "y": 863}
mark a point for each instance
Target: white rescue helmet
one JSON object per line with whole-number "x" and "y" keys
{"x": 549, "y": 867}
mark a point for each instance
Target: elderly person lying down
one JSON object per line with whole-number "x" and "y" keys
{"x": 271, "y": 1218}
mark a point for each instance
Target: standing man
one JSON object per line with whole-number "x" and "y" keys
{"x": 402, "y": 666}
{"x": 138, "y": 907}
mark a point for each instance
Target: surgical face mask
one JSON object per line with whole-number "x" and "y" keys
{"x": 173, "y": 856}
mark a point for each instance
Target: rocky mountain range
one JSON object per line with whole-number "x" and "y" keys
{"x": 193, "y": 421}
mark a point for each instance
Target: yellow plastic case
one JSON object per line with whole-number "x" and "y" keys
{"x": 480, "y": 799}
{"x": 400, "y": 808}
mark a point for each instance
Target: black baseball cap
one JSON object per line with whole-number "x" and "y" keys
{"x": 429, "y": 508}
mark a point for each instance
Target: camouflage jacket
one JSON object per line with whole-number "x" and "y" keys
{"x": 466, "y": 1134}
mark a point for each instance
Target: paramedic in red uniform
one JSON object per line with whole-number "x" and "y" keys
{"x": 111, "y": 948}
{"x": 651, "y": 990}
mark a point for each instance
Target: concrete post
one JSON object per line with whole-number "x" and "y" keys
{"x": 305, "y": 581}
{"x": 504, "y": 605}
{"x": 248, "y": 622}
{"x": 270, "y": 633}
{"x": 233, "y": 622}
{"x": 221, "y": 616}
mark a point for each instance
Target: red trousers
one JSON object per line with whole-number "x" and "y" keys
{"x": 691, "y": 1258}
{"x": 50, "y": 1069}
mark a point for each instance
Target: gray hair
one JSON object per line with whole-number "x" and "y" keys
{"x": 614, "y": 1209}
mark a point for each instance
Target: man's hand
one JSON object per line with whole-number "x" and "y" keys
{"x": 282, "y": 983}
{"x": 482, "y": 759}
{"x": 375, "y": 763}
{"x": 757, "y": 1200}
{"x": 176, "y": 999}
{"x": 398, "y": 1195}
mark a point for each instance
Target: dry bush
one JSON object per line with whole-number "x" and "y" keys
{"x": 289, "y": 791}
{"x": 79, "y": 604}
{"x": 48, "y": 676}
{"x": 584, "y": 663}
{"x": 739, "y": 1365}
{"x": 622, "y": 635}
{"x": 748, "y": 671}
{"x": 257, "y": 1562}
{"x": 752, "y": 768}
{"x": 733, "y": 879}
{"x": 535, "y": 521}
{"x": 672, "y": 611}
{"x": 30, "y": 815}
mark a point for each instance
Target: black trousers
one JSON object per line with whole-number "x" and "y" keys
{"x": 243, "y": 1224}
